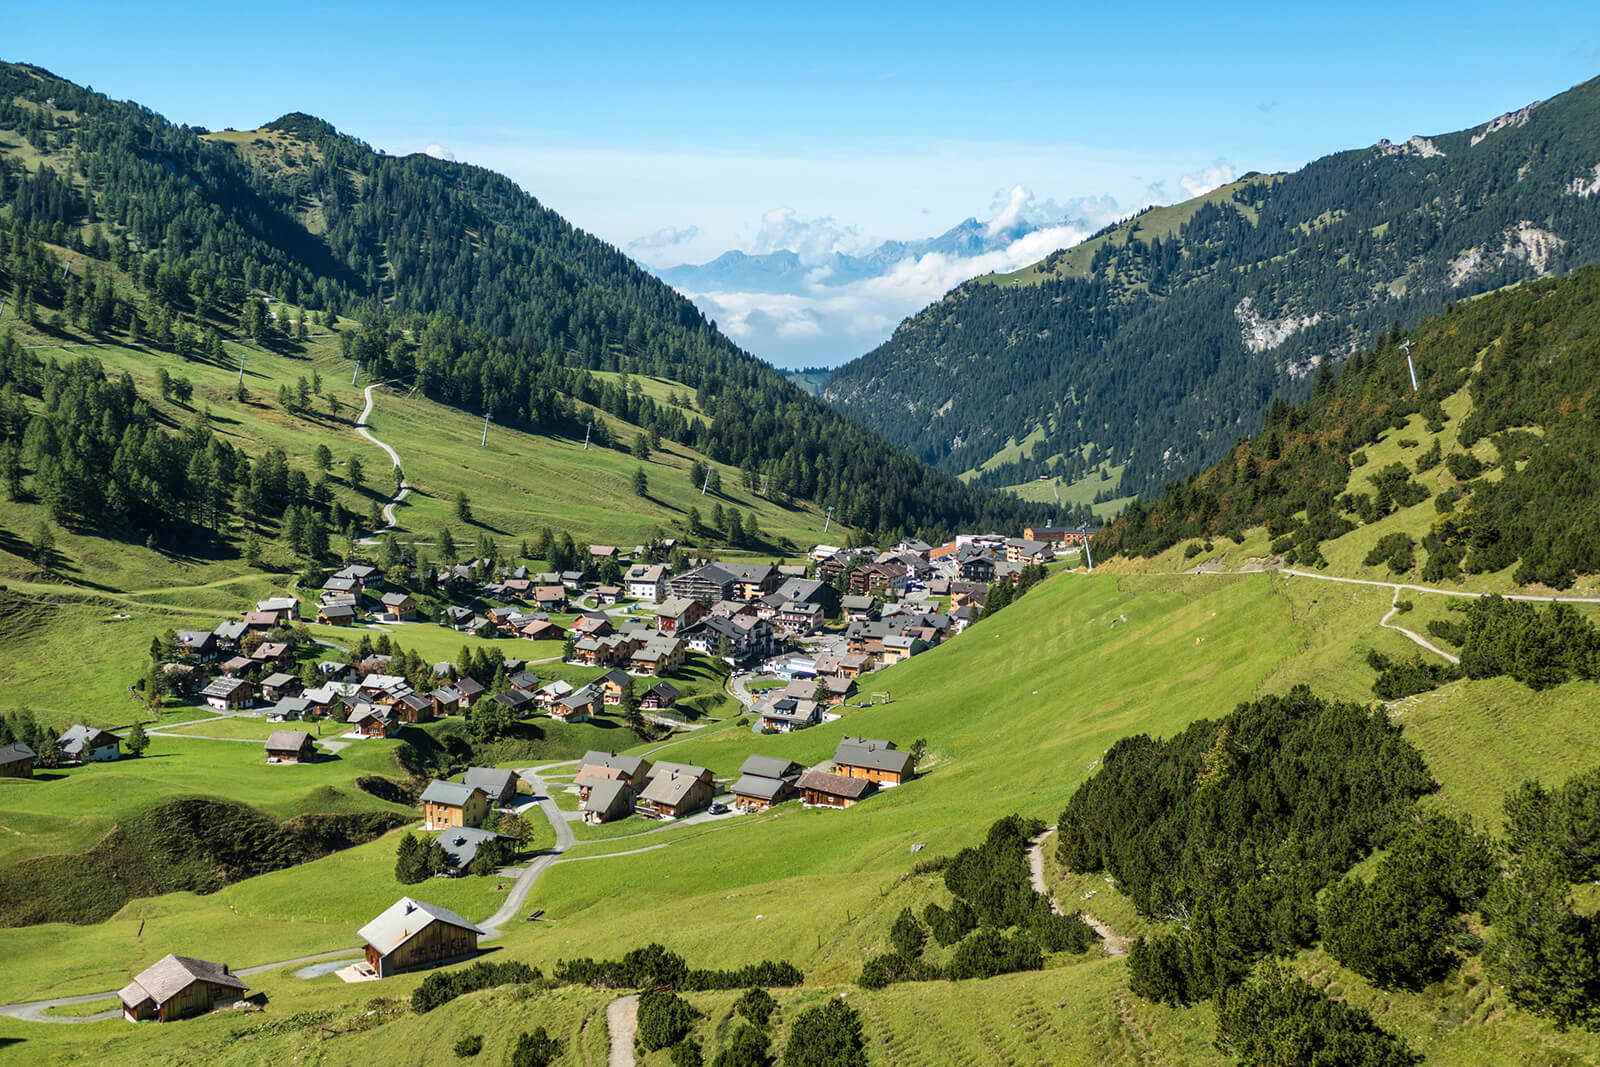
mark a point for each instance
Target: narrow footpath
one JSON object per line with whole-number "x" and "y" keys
{"x": 1394, "y": 608}
{"x": 622, "y": 1017}
{"x": 394, "y": 457}
{"x": 1115, "y": 944}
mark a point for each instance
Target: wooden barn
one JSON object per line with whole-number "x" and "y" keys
{"x": 819, "y": 789}
{"x": 411, "y": 934}
{"x": 176, "y": 987}
{"x": 16, "y": 761}
{"x": 878, "y": 762}
{"x": 291, "y": 746}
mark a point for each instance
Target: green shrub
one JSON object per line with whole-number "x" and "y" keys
{"x": 664, "y": 1019}
{"x": 469, "y": 1045}
{"x": 826, "y": 1036}
{"x": 907, "y": 935}
{"x": 747, "y": 1048}
{"x": 441, "y": 987}
{"x": 756, "y": 1005}
{"x": 1275, "y": 1017}
{"x": 534, "y": 1049}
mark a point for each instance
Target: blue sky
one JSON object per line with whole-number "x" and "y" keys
{"x": 693, "y": 123}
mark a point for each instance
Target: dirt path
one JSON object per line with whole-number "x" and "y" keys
{"x": 622, "y": 1016}
{"x": 1397, "y": 586}
{"x": 1394, "y": 608}
{"x": 394, "y": 457}
{"x": 1115, "y": 944}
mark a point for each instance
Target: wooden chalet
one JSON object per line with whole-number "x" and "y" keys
{"x": 271, "y": 652}
{"x": 675, "y": 790}
{"x": 614, "y": 684}
{"x": 468, "y": 692}
{"x": 678, "y": 614}
{"x": 177, "y": 987}
{"x": 451, "y": 804}
{"x": 446, "y": 701}
{"x": 819, "y": 789}
{"x": 372, "y": 720}
{"x": 336, "y": 614}
{"x": 609, "y": 799}
{"x": 636, "y": 768}
{"x": 765, "y": 781}
{"x": 875, "y": 761}
{"x": 280, "y": 684}
{"x": 414, "y": 708}
{"x": 89, "y": 744}
{"x": 411, "y": 934}
{"x": 291, "y": 746}
{"x": 500, "y": 786}
{"x": 659, "y": 697}
{"x": 542, "y": 630}
{"x": 16, "y": 761}
{"x": 578, "y": 706}
{"x": 550, "y": 597}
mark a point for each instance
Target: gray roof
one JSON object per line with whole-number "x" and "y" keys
{"x": 492, "y": 780}
{"x": 755, "y": 785}
{"x": 230, "y": 631}
{"x": 877, "y": 755}
{"x": 460, "y": 843}
{"x": 224, "y": 687}
{"x": 77, "y": 738}
{"x": 604, "y": 795}
{"x": 278, "y": 678}
{"x": 403, "y": 920}
{"x": 288, "y": 740}
{"x": 394, "y": 599}
{"x": 835, "y": 784}
{"x": 451, "y": 793}
{"x": 12, "y": 753}
{"x": 195, "y": 637}
{"x": 629, "y": 765}
{"x": 769, "y": 767}
{"x": 287, "y": 705}
{"x": 171, "y": 975}
{"x": 670, "y": 783}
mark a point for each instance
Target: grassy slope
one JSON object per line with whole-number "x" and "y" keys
{"x": 821, "y": 888}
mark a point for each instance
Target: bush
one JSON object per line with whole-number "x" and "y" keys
{"x": 1396, "y": 549}
{"x": 469, "y": 1045}
{"x": 653, "y": 966}
{"x": 756, "y": 1005}
{"x": 664, "y": 1019}
{"x": 1191, "y": 550}
{"x": 441, "y": 987}
{"x": 1464, "y": 466}
{"x": 1403, "y": 678}
{"x": 907, "y": 935}
{"x": 686, "y": 1053}
{"x": 826, "y": 1036}
{"x": 1277, "y": 1018}
{"x": 952, "y": 924}
{"x": 987, "y": 952}
{"x": 891, "y": 967}
{"x": 747, "y": 1048}
{"x": 535, "y": 1049}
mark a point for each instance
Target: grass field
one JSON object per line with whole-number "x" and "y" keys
{"x": 1016, "y": 712}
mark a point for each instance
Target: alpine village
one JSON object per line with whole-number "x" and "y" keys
{"x": 425, "y": 635}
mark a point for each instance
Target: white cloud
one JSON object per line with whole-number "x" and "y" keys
{"x": 1218, "y": 174}
{"x": 1016, "y": 203}
{"x": 439, "y": 152}
{"x": 811, "y": 239}
{"x": 665, "y": 237}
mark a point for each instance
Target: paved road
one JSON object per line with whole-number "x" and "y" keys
{"x": 394, "y": 457}
{"x": 1397, "y": 586}
{"x": 564, "y": 840}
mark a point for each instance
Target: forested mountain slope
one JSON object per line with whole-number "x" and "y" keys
{"x": 1490, "y": 466}
{"x": 506, "y": 299}
{"x": 1160, "y": 341}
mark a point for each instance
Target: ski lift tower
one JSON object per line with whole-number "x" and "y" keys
{"x": 1405, "y": 346}
{"x": 1087, "y": 554}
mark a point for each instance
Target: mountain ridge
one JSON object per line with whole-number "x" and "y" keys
{"x": 1133, "y": 349}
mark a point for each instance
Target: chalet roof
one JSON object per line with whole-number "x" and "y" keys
{"x": 629, "y": 765}
{"x": 836, "y": 785}
{"x": 492, "y": 780}
{"x": 359, "y": 571}
{"x": 664, "y": 691}
{"x": 288, "y": 741}
{"x": 278, "y": 678}
{"x": 289, "y": 705}
{"x": 525, "y": 680}
{"x": 605, "y": 794}
{"x": 674, "y": 607}
{"x": 278, "y": 603}
{"x": 670, "y": 783}
{"x": 336, "y": 611}
{"x": 445, "y": 694}
{"x": 403, "y": 920}
{"x": 755, "y": 785}
{"x": 417, "y": 701}
{"x": 338, "y": 585}
{"x": 13, "y": 752}
{"x": 616, "y": 676}
{"x": 469, "y": 687}
{"x": 196, "y": 638}
{"x": 556, "y": 690}
{"x": 223, "y": 687}
{"x": 230, "y": 631}
{"x": 171, "y": 975}
{"x": 873, "y": 754}
{"x": 769, "y": 767}
{"x": 270, "y": 650}
{"x": 461, "y": 844}
{"x": 451, "y": 794}
{"x": 514, "y": 699}
{"x": 394, "y": 600}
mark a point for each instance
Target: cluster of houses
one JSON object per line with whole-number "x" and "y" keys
{"x": 78, "y": 744}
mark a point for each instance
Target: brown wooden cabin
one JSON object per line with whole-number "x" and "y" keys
{"x": 875, "y": 761}
{"x": 16, "y": 761}
{"x": 446, "y": 804}
{"x": 291, "y": 746}
{"x": 824, "y": 790}
{"x": 176, "y": 987}
{"x": 411, "y": 934}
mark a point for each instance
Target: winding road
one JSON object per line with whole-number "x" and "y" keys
{"x": 394, "y": 457}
